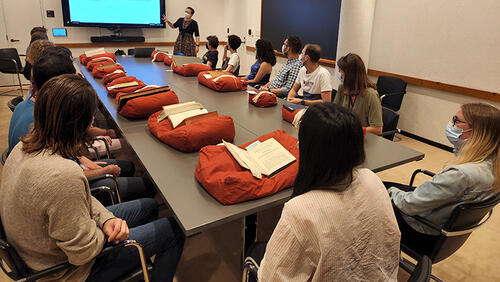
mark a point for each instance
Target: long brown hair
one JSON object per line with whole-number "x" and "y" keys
{"x": 63, "y": 112}
{"x": 484, "y": 143}
{"x": 36, "y": 49}
{"x": 355, "y": 77}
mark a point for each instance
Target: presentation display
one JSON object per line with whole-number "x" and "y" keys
{"x": 314, "y": 21}
{"x": 133, "y": 13}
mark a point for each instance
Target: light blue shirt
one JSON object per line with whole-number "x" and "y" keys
{"x": 20, "y": 122}
{"x": 436, "y": 199}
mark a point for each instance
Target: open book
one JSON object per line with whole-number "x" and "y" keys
{"x": 123, "y": 85}
{"x": 178, "y": 113}
{"x": 268, "y": 157}
{"x": 124, "y": 98}
{"x": 93, "y": 52}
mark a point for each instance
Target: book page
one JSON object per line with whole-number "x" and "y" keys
{"x": 271, "y": 156}
{"x": 123, "y": 85}
{"x": 178, "y": 108}
{"x": 177, "y": 119}
{"x": 243, "y": 158}
{"x": 93, "y": 52}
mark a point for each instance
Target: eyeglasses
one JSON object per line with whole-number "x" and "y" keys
{"x": 456, "y": 120}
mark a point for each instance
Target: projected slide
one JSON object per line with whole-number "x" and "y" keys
{"x": 145, "y": 12}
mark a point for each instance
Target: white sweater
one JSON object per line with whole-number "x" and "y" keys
{"x": 335, "y": 236}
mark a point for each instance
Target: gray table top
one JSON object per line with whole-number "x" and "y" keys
{"x": 173, "y": 171}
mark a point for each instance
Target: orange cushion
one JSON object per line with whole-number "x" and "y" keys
{"x": 99, "y": 61}
{"x": 121, "y": 80}
{"x": 222, "y": 81}
{"x": 192, "y": 137}
{"x": 289, "y": 115}
{"x": 143, "y": 107}
{"x": 190, "y": 69}
{"x": 229, "y": 183}
{"x": 84, "y": 60}
{"x": 100, "y": 71}
{"x": 158, "y": 56}
{"x": 266, "y": 99}
{"x": 108, "y": 78}
{"x": 168, "y": 60}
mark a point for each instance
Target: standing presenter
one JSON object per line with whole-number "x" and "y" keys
{"x": 185, "y": 43}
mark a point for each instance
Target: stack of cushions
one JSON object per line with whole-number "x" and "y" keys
{"x": 194, "y": 136}
{"x": 145, "y": 106}
{"x": 262, "y": 98}
{"x": 222, "y": 81}
{"x": 229, "y": 183}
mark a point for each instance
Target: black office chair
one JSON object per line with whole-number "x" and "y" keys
{"x": 11, "y": 63}
{"x": 422, "y": 272}
{"x": 390, "y": 119}
{"x": 464, "y": 219}
{"x": 391, "y": 90}
{"x": 114, "y": 193}
{"x": 131, "y": 52}
{"x": 14, "y": 266}
{"x": 12, "y": 103}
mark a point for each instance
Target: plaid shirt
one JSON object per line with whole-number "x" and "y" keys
{"x": 286, "y": 76}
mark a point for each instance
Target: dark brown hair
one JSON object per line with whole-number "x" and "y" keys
{"x": 313, "y": 51}
{"x": 38, "y": 29}
{"x": 295, "y": 44}
{"x": 213, "y": 41}
{"x": 38, "y": 36}
{"x": 355, "y": 77}
{"x": 36, "y": 49}
{"x": 192, "y": 10}
{"x": 63, "y": 112}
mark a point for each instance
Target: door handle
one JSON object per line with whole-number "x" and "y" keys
{"x": 14, "y": 40}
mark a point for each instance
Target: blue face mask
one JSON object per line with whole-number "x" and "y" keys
{"x": 283, "y": 49}
{"x": 300, "y": 58}
{"x": 339, "y": 76}
{"x": 453, "y": 134}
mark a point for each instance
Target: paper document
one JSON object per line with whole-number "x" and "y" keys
{"x": 123, "y": 85}
{"x": 177, "y": 113}
{"x": 94, "y": 52}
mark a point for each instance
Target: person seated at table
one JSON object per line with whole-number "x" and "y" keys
{"x": 474, "y": 176}
{"x": 358, "y": 94}
{"x": 44, "y": 69}
{"x": 232, "y": 63}
{"x": 313, "y": 79}
{"x": 48, "y": 213}
{"x": 339, "y": 224}
{"x": 34, "y": 52}
{"x": 260, "y": 71}
{"x": 284, "y": 80}
{"x": 212, "y": 56}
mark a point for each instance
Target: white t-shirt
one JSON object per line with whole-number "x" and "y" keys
{"x": 234, "y": 60}
{"x": 314, "y": 83}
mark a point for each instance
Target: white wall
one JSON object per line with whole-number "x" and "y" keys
{"x": 452, "y": 41}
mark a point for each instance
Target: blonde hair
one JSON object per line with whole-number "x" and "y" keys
{"x": 484, "y": 143}
{"x": 36, "y": 49}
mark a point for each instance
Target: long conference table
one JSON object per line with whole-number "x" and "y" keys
{"x": 172, "y": 171}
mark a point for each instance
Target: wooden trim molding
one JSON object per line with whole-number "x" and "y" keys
{"x": 492, "y": 96}
{"x": 124, "y": 44}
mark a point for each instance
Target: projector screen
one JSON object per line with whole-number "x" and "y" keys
{"x": 113, "y": 13}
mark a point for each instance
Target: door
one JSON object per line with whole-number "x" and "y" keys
{"x": 18, "y": 18}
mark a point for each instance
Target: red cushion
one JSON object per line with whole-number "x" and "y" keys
{"x": 121, "y": 80}
{"x": 192, "y": 137}
{"x": 190, "y": 69}
{"x": 222, "y": 81}
{"x": 158, "y": 56}
{"x": 266, "y": 99}
{"x": 229, "y": 183}
{"x": 168, "y": 60}
{"x": 84, "y": 60}
{"x": 100, "y": 71}
{"x": 288, "y": 115}
{"x": 99, "y": 61}
{"x": 143, "y": 107}
{"x": 108, "y": 78}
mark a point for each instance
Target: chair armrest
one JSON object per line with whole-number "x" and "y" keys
{"x": 424, "y": 171}
{"x": 101, "y": 177}
{"x": 391, "y": 94}
{"x": 250, "y": 269}
{"x": 128, "y": 243}
{"x": 102, "y": 139}
{"x": 390, "y": 132}
{"x": 106, "y": 189}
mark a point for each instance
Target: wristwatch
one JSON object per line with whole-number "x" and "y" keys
{"x": 303, "y": 103}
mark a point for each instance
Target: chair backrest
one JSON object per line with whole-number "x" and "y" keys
{"x": 388, "y": 85}
{"x": 390, "y": 119}
{"x": 423, "y": 270}
{"x": 131, "y": 52}
{"x": 6, "y": 63}
{"x": 464, "y": 216}
{"x": 17, "y": 269}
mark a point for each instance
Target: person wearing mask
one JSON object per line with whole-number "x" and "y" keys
{"x": 260, "y": 71}
{"x": 362, "y": 242}
{"x": 57, "y": 219}
{"x": 474, "y": 176}
{"x": 185, "y": 44}
{"x": 231, "y": 63}
{"x": 358, "y": 94}
{"x": 212, "y": 56}
{"x": 313, "y": 79}
{"x": 284, "y": 81}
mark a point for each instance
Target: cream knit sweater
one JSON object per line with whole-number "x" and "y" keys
{"x": 49, "y": 215}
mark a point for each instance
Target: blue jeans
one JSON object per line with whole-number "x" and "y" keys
{"x": 130, "y": 188}
{"x": 161, "y": 237}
